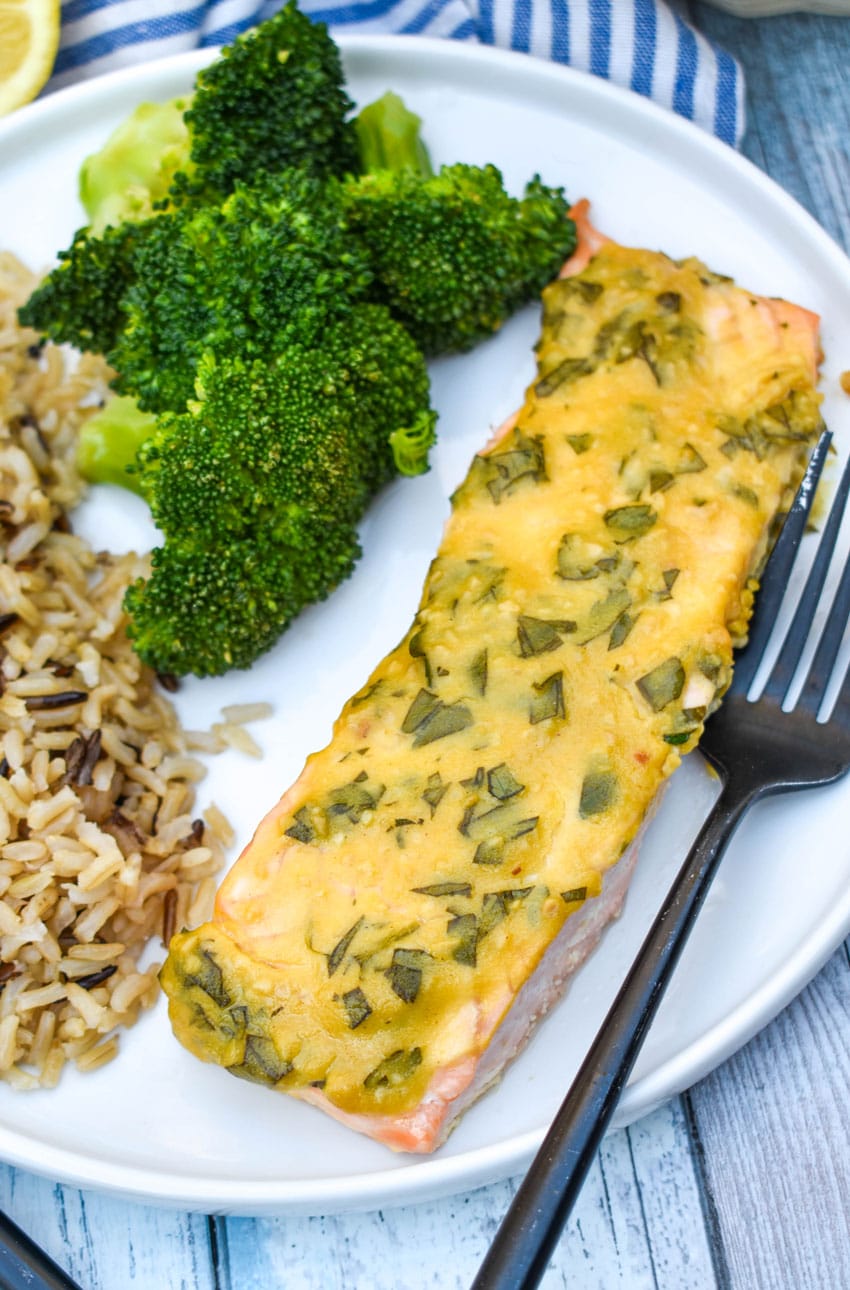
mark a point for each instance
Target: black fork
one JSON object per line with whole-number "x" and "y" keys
{"x": 757, "y": 749}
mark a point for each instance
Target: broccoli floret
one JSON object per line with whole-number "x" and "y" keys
{"x": 310, "y": 427}
{"x": 455, "y": 255}
{"x": 268, "y": 316}
{"x": 132, "y": 173}
{"x": 270, "y": 468}
{"x": 206, "y": 609}
{"x": 271, "y": 267}
{"x": 275, "y": 98}
{"x": 80, "y": 301}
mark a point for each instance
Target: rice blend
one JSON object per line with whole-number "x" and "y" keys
{"x": 101, "y": 848}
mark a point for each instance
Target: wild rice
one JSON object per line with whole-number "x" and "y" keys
{"x": 101, "y": 846}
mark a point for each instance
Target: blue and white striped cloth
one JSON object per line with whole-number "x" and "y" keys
{"x": 640, "y": 44}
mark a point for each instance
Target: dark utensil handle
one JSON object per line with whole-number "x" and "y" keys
{"x": 23, "y": 1266}
{"x": 529, "y": 1231}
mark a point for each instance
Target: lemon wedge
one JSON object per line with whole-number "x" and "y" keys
{"x": 29, "y": 37}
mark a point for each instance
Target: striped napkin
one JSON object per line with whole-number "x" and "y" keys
{"x": 641, "y": 44}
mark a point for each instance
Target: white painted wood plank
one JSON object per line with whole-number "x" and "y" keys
{"x": 106, "y": 1243}
{"x": 638, "y": 1225}
{"x": 773, "y": 1121}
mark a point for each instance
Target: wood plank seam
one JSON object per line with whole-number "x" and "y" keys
{"x": 219, "y": 1261}
{"x": 708, "y": 1204}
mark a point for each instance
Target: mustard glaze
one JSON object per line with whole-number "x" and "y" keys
{"x": 576, "y": 626}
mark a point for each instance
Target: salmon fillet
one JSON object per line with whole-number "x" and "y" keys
{"x": 416, "y": 901}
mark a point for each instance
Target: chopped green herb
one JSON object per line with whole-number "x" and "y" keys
{"x": 490, "y": 852}
{"x": 523, "y": 463}
{"x": 565, "y": 373}
{"x": 598, "y": 792}
{"x": 745, "y": 494}
{"x": 524, "y": 826}
{"x": 366, "y": 694}
{"x": 395, "y": 1069}
{"x": 537, "y": 636}
{"x": 629, "y": 522}
{"x": 574, "y": 895}
{"x": 493, "y": 912}
{"x": 234, "y": 1022}
{"x": 589, "y": 291}
{"x": 340, "y": 950}
{"x": 621, "y": 629}
{"x": 445, "y": 720}
{"x": 689, "y": 462}
{"x": 353, "y": 800}
{"x": 209, "y": 977}
{"x": 445, "y": 889}
{"x": 422, "y": 707}
{"x": 534, "y": 905}
{"x": 404, "y": 981}
{"x": 502, "y": 783}
{"x": 262, "y": 1063}
{"x": 659, "y": 480}
{"x": 663, "y": 684}
{"x": 681, "y": 737}
{"x": 405, "y": 973}
{"x": 435, "y": 791}
{"x": 576, "y": 563}
{"x": 356, "y": 1007}
{"x": 547, "y": 702}
{"x": 464, "y": 929}
{"x": 383, "y": 941}
{"x": 580, "y": 443}
{"x": 302, "y": 829}
{"x": 478, "y": 673}
{"x": 416, "y": 649}
{"x": 710, "y": 665}
{"x": 488, "y": 823}
{"x": 603, "y": 614}
{"x": 430, "y": 719}
{"x": 669, "y": 576}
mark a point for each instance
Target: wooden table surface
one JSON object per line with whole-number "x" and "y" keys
{"x": 744, "y": 1181}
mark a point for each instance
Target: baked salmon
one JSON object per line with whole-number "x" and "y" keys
{"x": 408, "y": 911}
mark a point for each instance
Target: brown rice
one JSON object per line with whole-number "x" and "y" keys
{"x": 101, "y": 845}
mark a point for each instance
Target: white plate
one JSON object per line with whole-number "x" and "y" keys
{"x": 160, "y": 1126}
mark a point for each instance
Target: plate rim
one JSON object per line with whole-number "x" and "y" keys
{"x": 425, "y": 1178}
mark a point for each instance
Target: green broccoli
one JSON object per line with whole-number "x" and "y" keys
{"x": 267, "y": 316}
{"x": 270, "y": 267}
{"x": 275, "y": 98}
{"x": 131, "y": 175}
{"x": 454, "y": 255}
{"x": 81, "y": 302}
{"x": 389, "y": 138}
{"x": 258, "y": 487}
{"x": 206, "y": 609}
{"x": 109, "y": 441}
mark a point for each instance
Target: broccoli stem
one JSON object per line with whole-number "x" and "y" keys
{"x": 109, "y": 441}
{"x": 388, "y": 135}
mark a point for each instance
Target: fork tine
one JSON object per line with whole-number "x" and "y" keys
{"x": 778, "y": 568}
{"x": 783, "y": 670}
{"x": 841, "y": 711}
{"x": 826, "y": 653}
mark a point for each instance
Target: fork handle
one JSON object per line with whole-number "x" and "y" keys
{"x": 24, "y": 1265}
{"x": 529, "y": 1231}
